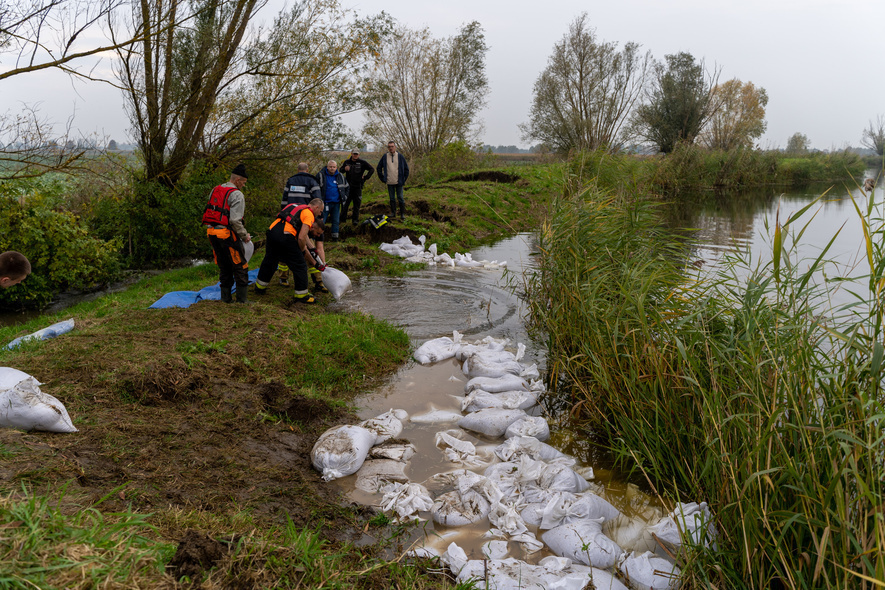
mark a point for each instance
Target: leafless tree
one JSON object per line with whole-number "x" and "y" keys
{"x": 874, "y": 136}
{"x": 427, "y": 92}
{"x": 586, "y": 93}
{"x": 38, "y": 35}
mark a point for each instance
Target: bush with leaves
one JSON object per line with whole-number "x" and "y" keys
{"x": 62, "y": 253}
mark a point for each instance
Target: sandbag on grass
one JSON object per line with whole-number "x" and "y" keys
{"x": 24, "y": 406}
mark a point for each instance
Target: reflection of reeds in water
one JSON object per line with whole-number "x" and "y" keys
{"x": 734, "y": 393}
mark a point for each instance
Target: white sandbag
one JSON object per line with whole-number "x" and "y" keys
{"x": 401, "y": 452}
{"x": 566, "y": 508}
{"x": 497, "y": 384}
{"x": 436, "y": 417}
{"x": 336, "y": 282}
{"x": 56, "y": 329}
{"x": 248, "y": 250}
{"x": 650, "y": 572}
{"x": 495, "y": 549}
{"x": 530, "y": 373}
{"x": 455, "y": 558}
{"x": 405, "y": 499}
{"x": 444, "y": 260}
{"x": 630, "y": 533}
{"x": 489, "y": 343}
{"x": 341, "y": 451}
{"x": 455, "y": 509}
{"x": 387, "y": 425}
{"x": 513, "y": 574}
{"x": 24, "y": 406}
{"x": 535, "y": 426}
{"x": 438, "y": 349}
{"x": 583, "y": 542}
{"x": 508, "y": 524}
{"x": 517, "y": 446}
{"x": 490, "y": 422}
{"x": 376, "y": 473}
{"x": 480, "y": 365}
{"x": 455, "y": 449}
{"x": 693, "y": 519}
{"x": 507, "y": 400}
{"x": 393, "y": 250}
{"x": 466, "y": 260}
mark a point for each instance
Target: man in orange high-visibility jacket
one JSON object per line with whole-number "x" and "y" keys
{"x": 223, "y": 219}
{"x": 287, "y": 242}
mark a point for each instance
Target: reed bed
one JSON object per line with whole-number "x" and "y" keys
{"x": 751, "y": 394}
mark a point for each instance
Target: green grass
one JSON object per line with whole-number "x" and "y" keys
{"x": 754, "y": 397}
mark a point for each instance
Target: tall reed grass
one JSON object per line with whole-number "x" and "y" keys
{"x": 750, "y": 394}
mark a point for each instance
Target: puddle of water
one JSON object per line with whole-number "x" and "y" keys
{"x": 432, "y": 303}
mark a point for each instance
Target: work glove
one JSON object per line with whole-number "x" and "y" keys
{"x": 317, "y": 264}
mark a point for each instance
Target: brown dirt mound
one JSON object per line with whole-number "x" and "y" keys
{"x": 487, "y": 176}
{"x": 196, "y": 553}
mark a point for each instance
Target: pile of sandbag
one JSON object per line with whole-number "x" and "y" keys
{"x": 532, "y": 495}
{"x": 24, "y": 406}
{"x": 404, "y": 248}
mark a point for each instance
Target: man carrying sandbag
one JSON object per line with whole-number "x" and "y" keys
{"x": 223, "y": 219}
{"x": 288, "y": 242}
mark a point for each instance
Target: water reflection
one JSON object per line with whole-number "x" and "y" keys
{"x": 743, "y": 223}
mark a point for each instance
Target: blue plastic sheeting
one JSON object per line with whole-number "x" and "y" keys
{"x": 188, "y": 298}
{"x": 45, "y": 334}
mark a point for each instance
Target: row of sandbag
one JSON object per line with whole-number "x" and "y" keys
{"x": 25, "y": 407}
{"x": 536, "y": 485}
{"x": 525, "y": 483}
{"x": 405, "y": 248}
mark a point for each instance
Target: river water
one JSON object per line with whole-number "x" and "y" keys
{"x": 434, "y": 302}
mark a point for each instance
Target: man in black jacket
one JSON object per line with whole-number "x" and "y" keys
{"x": 356, "y": 172}
{"x": 300, "y": 189}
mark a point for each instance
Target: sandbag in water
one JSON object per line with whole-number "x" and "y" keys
{"x": 583, "y": 542}
{"x": 693, "y": 519}
{"x": 507, "y": 400}
{"x": 341, "y": 451}
{"x": 24, "y": 406}
{"x": 386, "y": 426}
{"x": 650, "y": 572}
{"x": 534, "y": 426}
{"x": 438, "y": 349}
{"x": 405, "y": 499}
{"x": 497, "y": 384}
{"x": 375, "y": 473}
{"x": 490, "y": 422}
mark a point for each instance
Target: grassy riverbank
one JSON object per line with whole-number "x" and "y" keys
{"x": 201, "y": 419}
{"x": 751, "y": 397}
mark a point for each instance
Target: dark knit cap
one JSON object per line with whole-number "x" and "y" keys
{"x": 240, "y": 170}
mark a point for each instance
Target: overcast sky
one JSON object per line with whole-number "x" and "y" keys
{"x": 819, "y": 60}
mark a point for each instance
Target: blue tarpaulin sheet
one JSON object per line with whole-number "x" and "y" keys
{"x": 188, "y": 298}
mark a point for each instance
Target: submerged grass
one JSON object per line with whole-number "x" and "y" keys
{"x": 747, "y": 393}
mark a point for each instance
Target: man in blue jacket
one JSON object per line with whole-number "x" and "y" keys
{"x": 333, "y": 190}
{"x": 394, "y": 171}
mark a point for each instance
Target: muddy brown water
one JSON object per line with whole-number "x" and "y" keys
{"x": 477, "y": 303}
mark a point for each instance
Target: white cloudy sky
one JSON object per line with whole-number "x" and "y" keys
{"x": 819, "y": 60}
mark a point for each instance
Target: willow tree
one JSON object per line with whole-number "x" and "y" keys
{"x": 874, "y": 136}
{"x": 426, "y": 92}
{"x": 295, "y": 78}
{"x": 586, "y": 93}
{"x": 740, "y": 119}
{"x": 172, "y": 78}
{"x": 678, "y": 103}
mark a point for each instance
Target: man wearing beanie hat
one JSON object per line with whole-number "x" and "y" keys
{"x": 223, "y": 219}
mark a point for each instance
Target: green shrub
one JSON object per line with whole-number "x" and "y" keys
{"x": 453, "y": 158}
{"x": 62, "y": 253}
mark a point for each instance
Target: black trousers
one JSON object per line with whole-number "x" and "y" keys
{"x": 283, "y": 247}
{"x": 231, "y": 260}
{"x": 355, "y": 197}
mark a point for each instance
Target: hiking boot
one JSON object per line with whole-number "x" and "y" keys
{"x": 226, "y": 295}
{"x": 319, "y": 287}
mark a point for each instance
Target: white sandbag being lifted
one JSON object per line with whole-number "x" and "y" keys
{"x": 337, "y": 282}
{"x": 24, "y": 406}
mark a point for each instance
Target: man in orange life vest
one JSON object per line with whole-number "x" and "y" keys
{"x": 223, "y": 218}
{"x": 287, "y": 242}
